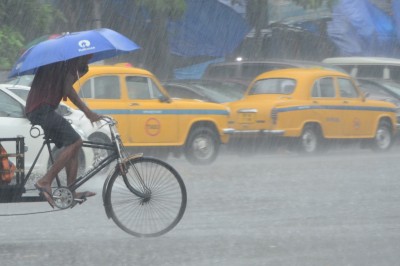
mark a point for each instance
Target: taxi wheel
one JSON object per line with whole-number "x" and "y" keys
{"x": 99, "y": 154}
{"x": 311, "y": 140}
{"x": 202, "y": 146}
{"x": 383, "y": 137}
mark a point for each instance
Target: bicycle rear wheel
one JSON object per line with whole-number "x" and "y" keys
{"x": 148, "y": 200}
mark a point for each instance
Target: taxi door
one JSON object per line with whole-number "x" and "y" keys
{"x": 152, "y": 120}
{"x": 359, "y": 120}
{"x": 103, "y": 95}
{"x": 325, "y": 107}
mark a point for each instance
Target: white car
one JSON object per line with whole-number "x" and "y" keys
{"x": 367, "y": 67}
{"x": 13, "y": 123}
{"x": 94, "y": 132}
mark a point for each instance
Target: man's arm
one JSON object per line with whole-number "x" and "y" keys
{"x": 73, "y": 96}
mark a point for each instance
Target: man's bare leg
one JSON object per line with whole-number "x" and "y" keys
{"x": 71, "y": 168}
{"x": 66, "y": 155}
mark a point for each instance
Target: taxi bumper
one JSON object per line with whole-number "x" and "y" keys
{"x": 232, "y": 131}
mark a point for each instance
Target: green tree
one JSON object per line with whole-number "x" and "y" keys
{"x": 11, "y": 43}
{"x": 21, "y": 21}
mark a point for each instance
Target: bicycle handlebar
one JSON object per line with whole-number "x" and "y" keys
{"x": 108, "y": 120}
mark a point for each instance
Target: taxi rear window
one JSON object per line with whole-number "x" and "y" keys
{"x": 273, "y": 86}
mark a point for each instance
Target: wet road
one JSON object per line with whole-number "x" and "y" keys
{"x": 342, "y": 208}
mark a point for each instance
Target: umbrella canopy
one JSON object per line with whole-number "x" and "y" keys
{"x": 101, "y": 43}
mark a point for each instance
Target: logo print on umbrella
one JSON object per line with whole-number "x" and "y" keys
{"x": 85, "y": 45}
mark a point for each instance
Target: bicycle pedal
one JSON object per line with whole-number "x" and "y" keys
{"x": 80, "y": 200}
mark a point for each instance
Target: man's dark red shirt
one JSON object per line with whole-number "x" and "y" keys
{"x": 48, "y": 86}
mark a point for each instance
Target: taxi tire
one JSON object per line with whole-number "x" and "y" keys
{"x": 199, "y": 136}
{"x": 311, "y": 133}
{"x": 384, "y": 130}
{"x": 96, "y": 137}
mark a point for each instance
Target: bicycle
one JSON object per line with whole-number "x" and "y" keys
{"x": 145, "y": 196}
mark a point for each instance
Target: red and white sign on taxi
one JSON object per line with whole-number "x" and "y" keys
{"x": 153, "y": 126}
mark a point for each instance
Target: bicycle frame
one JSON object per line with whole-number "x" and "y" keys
{"x": 99, "y": 166}
{"x": 89, "y": 174}
{"x": 116, "y": 154}
{"x": 135, "y": 173}
{"x": 114, "y": 146}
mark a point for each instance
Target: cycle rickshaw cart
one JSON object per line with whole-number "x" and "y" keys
{"x": 145, "y": 197}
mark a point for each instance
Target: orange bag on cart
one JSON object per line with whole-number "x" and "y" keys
{"x": 6, "y": 166}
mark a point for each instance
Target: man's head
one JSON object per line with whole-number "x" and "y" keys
{"x": 84, "y": 59}
{"x": 79, "y": 64}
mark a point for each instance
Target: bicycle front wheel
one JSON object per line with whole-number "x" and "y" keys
{"x": 148, "y": 199}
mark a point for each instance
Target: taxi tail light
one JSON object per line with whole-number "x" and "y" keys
{"x": 274, "y": 116}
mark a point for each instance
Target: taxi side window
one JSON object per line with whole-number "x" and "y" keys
{"x": 138, "y": 87}
{"x": 323, "y": 88}
{"x": 103, "y": 87}
{"x": 142, "y": 88}
{"x": 86, "y": 90}
{"x": 347, "y": 89}
{"x": 155, "y": 91}
{"x": 10, "y": 107}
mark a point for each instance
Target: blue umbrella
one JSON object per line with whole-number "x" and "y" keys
{"x": 101, "y": 43}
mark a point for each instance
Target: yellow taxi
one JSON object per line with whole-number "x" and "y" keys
{"x": 149, "y": 118}
{"x": 311, "y": 106}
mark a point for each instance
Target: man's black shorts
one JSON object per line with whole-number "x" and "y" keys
{"x": 55, "y": 127}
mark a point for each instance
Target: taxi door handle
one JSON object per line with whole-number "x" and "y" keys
{"x": 345, "y": 102}
{"x": 134, "y": 104}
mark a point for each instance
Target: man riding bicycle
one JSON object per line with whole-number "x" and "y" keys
{"x": 52, "y": 83}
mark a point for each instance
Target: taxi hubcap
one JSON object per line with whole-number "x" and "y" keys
{"x": 203, "y": 147}
{"x": 309, "y": 141}
{"x": 383, "y": 138}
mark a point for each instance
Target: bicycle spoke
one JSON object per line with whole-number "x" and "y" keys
{"x": 149, "y": 200}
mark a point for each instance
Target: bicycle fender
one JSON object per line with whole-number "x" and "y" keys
{"x": 105, "y": 186}
{"x": 134, "y": 156}
{"x": 112, "y": 173}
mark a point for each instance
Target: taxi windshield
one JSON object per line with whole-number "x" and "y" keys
{"x": 273, "y": 86}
